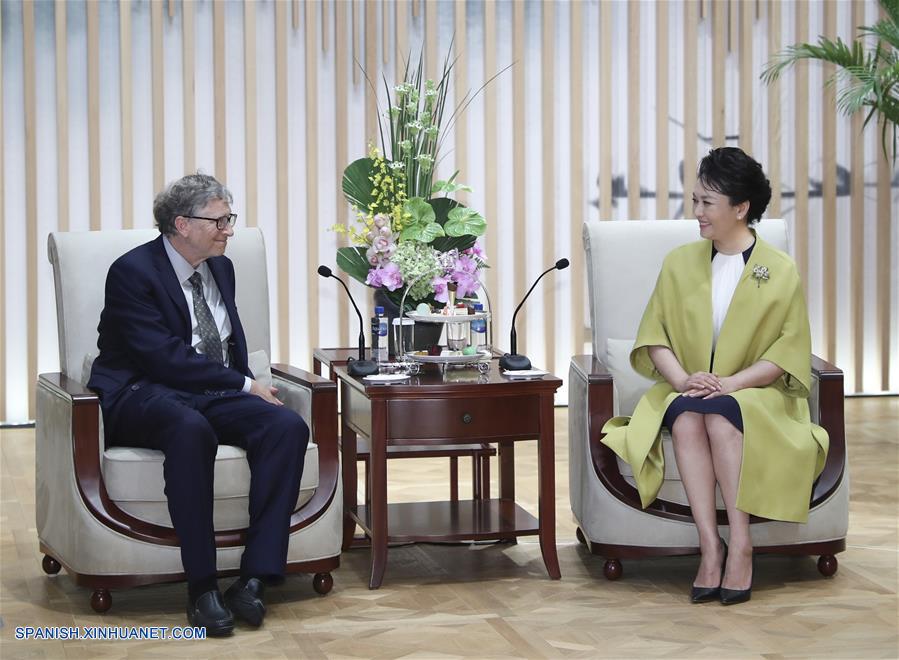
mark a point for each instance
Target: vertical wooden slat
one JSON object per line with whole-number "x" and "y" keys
{"x": 415, "y": 8}
{"x": 491, "y": 190}
{"x": 662, "y": 58}
{"x": 719, "y": 53}
{"x": 3, "y": 379}
{"x": 402, "y": 49}
{"x": 189, "y": 110}
{"x": 800, "y": 213}
{"x": 251, "y": 144}
{"x": 126, "y": 106}
{"x": 93, "y": 112}
{"x": 431, "y": 56}
{"x": 220, "y": 97}
{"x": 295, "y": 14}
{"x": 733, "y": 14}
{"x": 371, "y": 70}
{"x": 747, "y": 80}
{"x": 829, "y": 190}
{"x": 30, "y": 201}
{"x": 283, "y": 175}
{"x": 341, "y": 61}
{"x": 634, "y": 208}
{"x": 62, "y": 113}
{"x": 171, "y": 7}
{"x": 884, "y": 244}
{"x": 691, "y": 20}
{"x": 605, "y": 118}
{"x": 576, "y": 142}
{"x": 460, "y": 86}
{"x": 548, "y": 158}
{"x": 158, "y": 96}
{"x": 519, "y": 154}
{"x": 857, "y": 224}
{"x": 774, "y": 101}
{"x": 312, "y": 167}
{"x": 325, "y": 26}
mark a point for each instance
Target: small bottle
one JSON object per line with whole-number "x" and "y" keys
{"x": 375, "y": 339}
{"x": 479, "y": 330}
{"x": 381, "y": 352}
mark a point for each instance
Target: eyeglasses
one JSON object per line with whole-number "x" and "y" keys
{"x": 221, "y": 223}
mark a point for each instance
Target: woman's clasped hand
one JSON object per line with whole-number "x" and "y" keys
{"x": 705, "y": 385}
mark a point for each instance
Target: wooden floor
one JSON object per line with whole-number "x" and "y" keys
{"x": 494, "y": 600}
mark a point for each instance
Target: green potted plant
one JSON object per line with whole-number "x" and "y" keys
{"x": 869, "y": 77}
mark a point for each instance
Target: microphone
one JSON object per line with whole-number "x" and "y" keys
{"x": 360, "y": 367}
{"x": 512, "y": 361}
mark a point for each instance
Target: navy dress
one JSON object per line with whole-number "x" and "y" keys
{"x": 726, "y": 406}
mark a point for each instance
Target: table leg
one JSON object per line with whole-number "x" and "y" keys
{"x": 546, "y": 473}
{"x": 349, "y": 469}
{"x": 378, "y": 493}
{"x": 506, "y": 461}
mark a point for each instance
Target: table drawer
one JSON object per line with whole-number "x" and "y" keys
{"x": 464, "y": 418}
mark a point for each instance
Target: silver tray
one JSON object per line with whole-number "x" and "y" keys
{"x": 449, "y": 359}
{"x": 446, "y": 318}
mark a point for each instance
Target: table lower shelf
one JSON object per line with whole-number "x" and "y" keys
{"x": 464, "y": 520}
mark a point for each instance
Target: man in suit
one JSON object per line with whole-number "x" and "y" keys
{"x": 172, "y": 375}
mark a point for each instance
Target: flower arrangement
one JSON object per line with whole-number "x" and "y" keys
{"x": 408, "y": 232}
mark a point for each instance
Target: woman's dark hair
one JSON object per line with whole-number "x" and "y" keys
{"x": 186, "y": 196}
{"x": 729, "y": 171}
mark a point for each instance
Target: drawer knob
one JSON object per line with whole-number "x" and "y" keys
{"x": 466, "y": 418}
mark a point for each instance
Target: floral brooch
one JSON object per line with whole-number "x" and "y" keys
{"x": 760, "y": 273}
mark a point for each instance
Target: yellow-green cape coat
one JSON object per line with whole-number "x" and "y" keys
{"x": 783, "y": 452}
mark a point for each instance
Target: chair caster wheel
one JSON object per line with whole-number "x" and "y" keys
{"x": 101, "y": 600}
{"x": 322, "y": 583}
{"x": 50, "y": 565}
{"x": 827, "y": 565}
{"x": 612, "y": 569}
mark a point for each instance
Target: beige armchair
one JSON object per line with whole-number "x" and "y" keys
{"x": 101, "y": 513}
{"x": 623, "y": 260}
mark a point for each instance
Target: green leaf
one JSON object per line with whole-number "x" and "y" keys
{"x": 447, "y": 243}
{"x": 424, "y": 233}
{"x": 357, "y": 188}
{"x": 352, "y": 261}
{"x": 422, "y": 212}
{"x": 442, "y": 206}
{"x": 464, "y": 221}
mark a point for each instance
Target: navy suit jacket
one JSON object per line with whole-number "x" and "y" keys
{"x": 145, "y": 331}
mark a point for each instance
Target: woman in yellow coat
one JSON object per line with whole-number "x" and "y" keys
{"x": 726, "y": 336}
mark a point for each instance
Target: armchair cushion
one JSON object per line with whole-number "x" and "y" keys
{"x": 135, "y": 483}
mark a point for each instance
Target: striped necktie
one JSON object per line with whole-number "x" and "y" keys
{"x": 210, "y": 339}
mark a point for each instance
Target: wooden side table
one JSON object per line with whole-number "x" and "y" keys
{"x": 480, "y": 453}
{"x": 430, "y": 409}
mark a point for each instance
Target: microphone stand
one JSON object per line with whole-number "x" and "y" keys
{"x": 360, "y": 366}
{"x": 512, "y": 361}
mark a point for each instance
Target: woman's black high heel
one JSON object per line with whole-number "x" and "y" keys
{"x": 734, "y": 596}
{"x": 708, "y": 594}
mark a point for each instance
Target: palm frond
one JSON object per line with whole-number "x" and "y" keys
{"x": 836, "y": 52}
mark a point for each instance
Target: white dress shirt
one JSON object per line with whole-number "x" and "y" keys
{"x": 726, "y": 272}
{"x": 184, "y": 271}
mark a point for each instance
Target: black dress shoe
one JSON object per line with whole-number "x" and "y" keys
{"x": 246, "y": 601}
{"x": 734, "y": 596}
{"x": 209, "y": 612}
{"x": 708, "y": 594}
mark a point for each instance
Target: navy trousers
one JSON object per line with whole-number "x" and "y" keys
{"x": 188, "y": 428}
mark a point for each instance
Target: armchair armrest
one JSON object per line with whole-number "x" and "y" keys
{"x": 323, "y": 427}
{"x": 82, "y": 407}
{"x": 830, "y": 416}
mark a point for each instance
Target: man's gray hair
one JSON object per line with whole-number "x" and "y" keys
{"x": 186, "y": 196}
